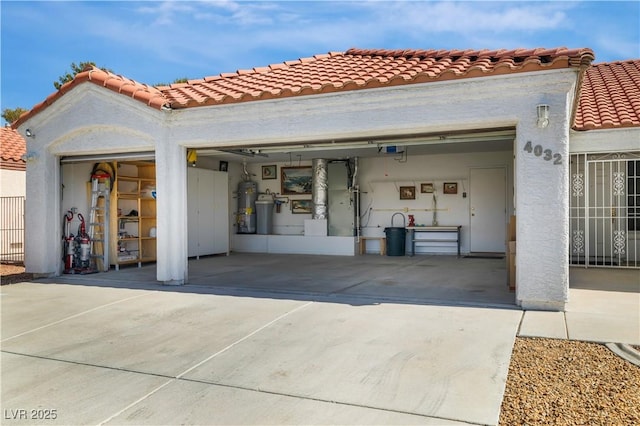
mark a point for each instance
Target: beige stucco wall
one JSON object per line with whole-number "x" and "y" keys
{"x": 13, "y": 183}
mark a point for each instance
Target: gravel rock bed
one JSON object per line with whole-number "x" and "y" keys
{"x": 11, "y": 274}
{"x": 564, "y": 382}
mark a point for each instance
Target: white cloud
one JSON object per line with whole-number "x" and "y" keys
{"x": 226, "y": 13}
{"x": 615, "y": 46}
{"x": 471, "y": 17}
{"x": 165, "y": 11}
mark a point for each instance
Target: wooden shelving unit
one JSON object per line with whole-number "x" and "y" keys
{"x": 133, "y": 213}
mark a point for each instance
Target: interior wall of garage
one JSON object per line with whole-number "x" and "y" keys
{"x": 285, "y": 222}
{"x": 75, "y": 179}
{"x": 380, "y": 178}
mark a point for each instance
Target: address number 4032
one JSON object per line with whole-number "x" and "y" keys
{"x": 546, "y": 154}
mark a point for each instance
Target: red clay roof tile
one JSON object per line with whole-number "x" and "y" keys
{"x": 142, "y": 92}
{"x": 334, "y": 71}
{"x": 609, "y": 96}
{"x": 12, "y": 148}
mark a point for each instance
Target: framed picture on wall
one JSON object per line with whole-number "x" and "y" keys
{"x": 301, "y": 207}
{"x": 426, "y": 188}
{"x": 269, "y": 172}
{"x": 450, "y": 188}
{"x": 295, "y": 180}
{"x": 407, "y": 192}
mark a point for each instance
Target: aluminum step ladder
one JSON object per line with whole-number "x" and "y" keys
{"x": 99, "y": 220}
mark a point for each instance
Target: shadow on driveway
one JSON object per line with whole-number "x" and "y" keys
{"x": 358, "y": 280}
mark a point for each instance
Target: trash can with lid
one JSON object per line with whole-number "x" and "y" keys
{"x": 264, "y": 210}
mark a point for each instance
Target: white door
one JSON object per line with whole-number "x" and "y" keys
{"x": 488, "y": 209}
{"x": 221, "y": 212}
{"x": 206, "y": 214}
{"x": 192, "y": 212}
{"x": 203, "y": 194}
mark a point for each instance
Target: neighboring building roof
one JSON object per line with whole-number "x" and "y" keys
{"x": 610, "y": 96}
{"x": 12, "y": 148}
{"x": 332, "y": 72}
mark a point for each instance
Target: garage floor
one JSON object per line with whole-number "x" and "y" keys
{"x": 418, "y": 279}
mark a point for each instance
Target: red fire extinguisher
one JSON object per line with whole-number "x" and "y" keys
{"x": 84, "y": 245}
{"x": 70, "y": 245}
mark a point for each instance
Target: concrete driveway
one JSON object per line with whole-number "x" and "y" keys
{"x": 143, "y": 354}
{"x": 286, "y": 340}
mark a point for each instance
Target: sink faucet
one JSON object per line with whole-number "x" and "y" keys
{"x": 404, "y": 219}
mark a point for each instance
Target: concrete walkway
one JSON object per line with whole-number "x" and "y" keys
{"x": 604, "y": 307}
{"x": 100, "y": 351}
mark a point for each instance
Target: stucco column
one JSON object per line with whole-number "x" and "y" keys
{"x": 171, "y": 187}
{"x": 43, "y": 222}
{"x": 542, "y": 210}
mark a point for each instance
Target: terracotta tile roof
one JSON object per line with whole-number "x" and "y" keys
{"x": 610, "y": 96}
{"x": 117, "y": 83}
{"x": 12, "y": 148}
{"x": 332, "y": 72}
{"x": 364, "y": 69}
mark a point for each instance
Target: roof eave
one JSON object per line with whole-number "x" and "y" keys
{"x": 115, "y": 83}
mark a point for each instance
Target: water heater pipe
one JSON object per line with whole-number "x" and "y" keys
{"x": 355, "y": 193}
{"x": 245, "y": 174}
{"x": 319, "y": 188}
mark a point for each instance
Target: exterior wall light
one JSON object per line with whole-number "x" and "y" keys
{"x": 30, "y": 134}
{"x": 30, "y": 156}
{"x": 543, "y": 115}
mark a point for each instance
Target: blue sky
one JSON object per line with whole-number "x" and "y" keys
{"x": 159, "y": 41}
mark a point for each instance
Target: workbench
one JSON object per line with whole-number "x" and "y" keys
{"x": 415, "y": 235}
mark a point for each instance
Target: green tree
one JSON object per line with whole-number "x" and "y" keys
{"x": 177, "y": 80}
{"x": 75, "y": 69}
{"x": 10, "y": 115}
